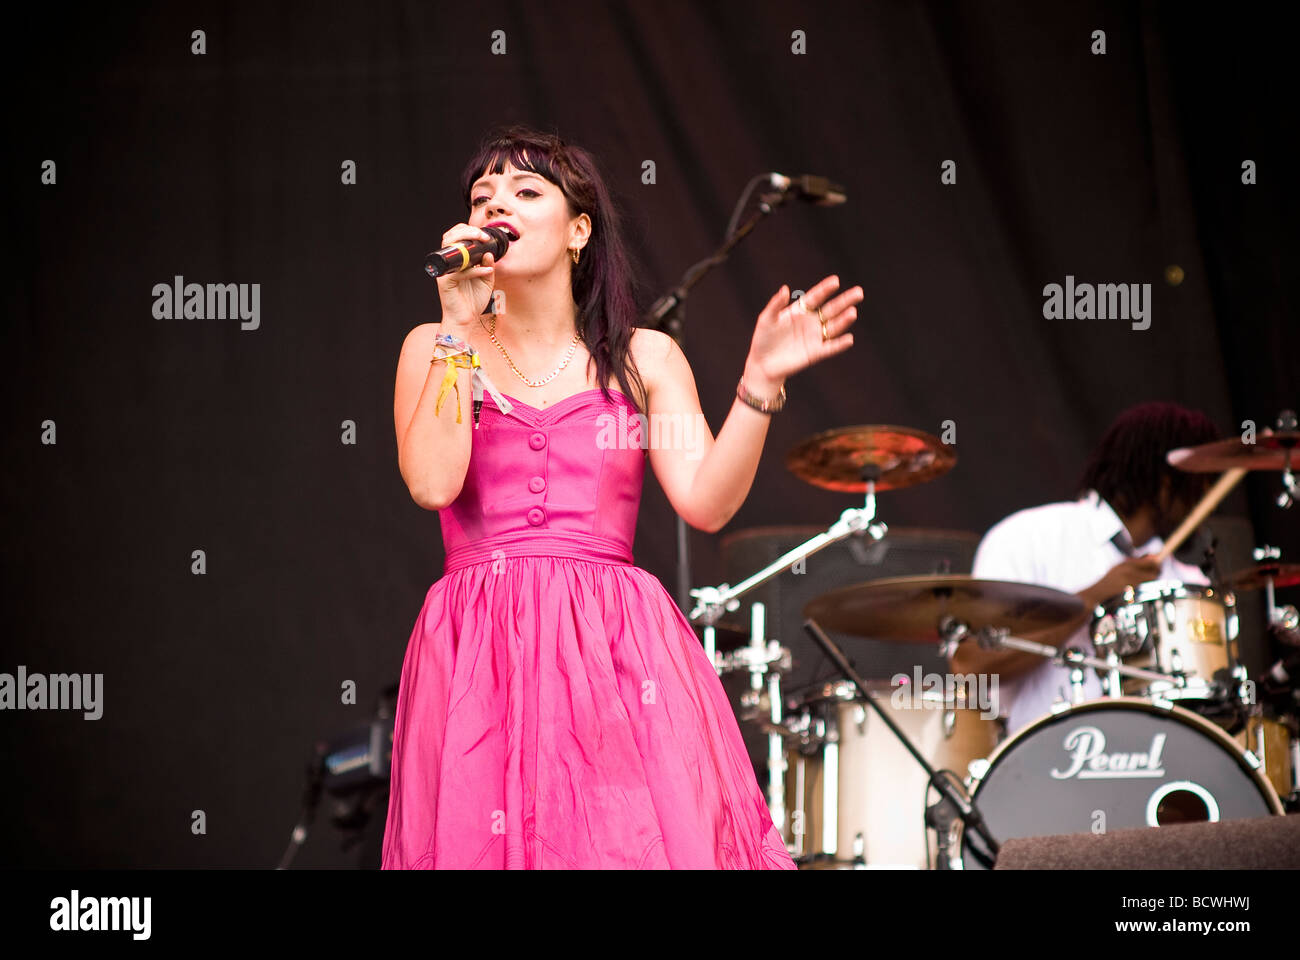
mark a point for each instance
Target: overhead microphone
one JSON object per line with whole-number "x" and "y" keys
{"x": 467, "y": 253}
{"x": 810, "y": 188}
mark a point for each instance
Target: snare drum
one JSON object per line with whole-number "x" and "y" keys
{"x": 1171, "y": 627}
{"x": 859, "y": 795}
{"x": 1112, "y": 764}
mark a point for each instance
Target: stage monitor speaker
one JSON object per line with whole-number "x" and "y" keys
{"x": 1262, "y": 843}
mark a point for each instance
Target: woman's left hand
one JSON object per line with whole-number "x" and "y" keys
{"x": 790, "y": 337}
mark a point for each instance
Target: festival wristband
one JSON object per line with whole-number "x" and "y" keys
{"x": 457, "y": 353}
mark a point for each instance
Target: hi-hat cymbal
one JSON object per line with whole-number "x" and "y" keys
{"x": 1252, "y": 578}
{"x": 895, "y": 457}
{"x": 1268, "y": 452}
{"x": 908, "y": 609}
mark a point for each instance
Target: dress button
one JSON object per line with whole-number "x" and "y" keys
{"x": 536, "y": 485}
{"x": 537, "y": 441}
{"x": 536, "y": 516}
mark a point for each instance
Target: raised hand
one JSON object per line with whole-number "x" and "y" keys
{"x": 790, "y": 337}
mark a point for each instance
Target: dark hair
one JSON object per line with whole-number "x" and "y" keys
{"x": 1128, "y": 467}
{"x": 603, "y": 282}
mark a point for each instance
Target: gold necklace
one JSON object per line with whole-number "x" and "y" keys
{"x": 492, "y": 332}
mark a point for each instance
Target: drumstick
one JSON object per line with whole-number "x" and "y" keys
{"x": 1202, "y": 510}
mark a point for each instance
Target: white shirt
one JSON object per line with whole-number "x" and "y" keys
{"x": 1067, "y": 546}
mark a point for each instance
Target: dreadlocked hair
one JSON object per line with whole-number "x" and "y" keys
{"x": 1128, "y": 467}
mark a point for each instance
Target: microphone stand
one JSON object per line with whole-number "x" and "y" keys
{"x": 668, "y": 314}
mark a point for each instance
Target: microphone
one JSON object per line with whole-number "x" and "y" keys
{"x": 810, "y": 188}
{"x": 467, "y": 253}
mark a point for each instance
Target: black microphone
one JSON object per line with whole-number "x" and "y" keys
{"x": 467, "y": 253}
{"x": 810, "y": 188}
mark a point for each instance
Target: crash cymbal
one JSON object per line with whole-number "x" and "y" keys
{"x": 908, "y": 609}
{"x": 1268, "y": 452}
{"x": 897, "y": 456}
{"x": 1252, "y": 578}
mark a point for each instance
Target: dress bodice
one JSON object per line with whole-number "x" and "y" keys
{"x": 560, "y": 481}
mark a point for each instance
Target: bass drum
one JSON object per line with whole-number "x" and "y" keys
{"x": 1111, "y": 764}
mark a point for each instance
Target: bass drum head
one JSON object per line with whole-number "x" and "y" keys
{"x": 1112, "y": 764}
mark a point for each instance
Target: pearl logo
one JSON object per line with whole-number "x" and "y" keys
{"x": 1086, "y": 747}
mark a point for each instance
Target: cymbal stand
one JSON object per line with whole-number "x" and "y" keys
{"x": 712, "y": 602}
{"x": 772, "y": 658}
{"x": 1262, "y": 555}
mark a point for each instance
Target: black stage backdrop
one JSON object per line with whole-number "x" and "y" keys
{"x": 183, "y": 435}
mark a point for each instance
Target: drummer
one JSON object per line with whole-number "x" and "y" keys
{"x": 1093, "y": 547}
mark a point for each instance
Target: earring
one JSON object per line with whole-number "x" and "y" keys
{"x": 575, "y": 252}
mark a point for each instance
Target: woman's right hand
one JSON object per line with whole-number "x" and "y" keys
{"x": 465, "y": 293}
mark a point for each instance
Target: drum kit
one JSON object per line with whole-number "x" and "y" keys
{"x": 915, "y": 772}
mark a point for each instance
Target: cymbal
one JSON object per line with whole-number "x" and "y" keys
{"x": 1268, "y": 452}
{"x": 1252, "y": 578}
{"x": 900, "y": 456}
{"x": 908, "y": 609}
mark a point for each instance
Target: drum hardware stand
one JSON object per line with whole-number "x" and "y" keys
{"x": 966, "y": 810}
{"x": 1111, "y": 681}
{"x": 1286, "y": 617}
{"x": 1262, "y": 554}
{"x": 993, "y": 638}
{"x": 1072, "y": 655}
{"x": 762, "y": 659}
{"x": 711, "y": 602}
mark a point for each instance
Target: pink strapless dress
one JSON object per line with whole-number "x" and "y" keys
{"x": 556, "y": 709}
